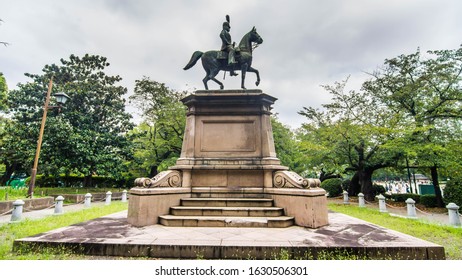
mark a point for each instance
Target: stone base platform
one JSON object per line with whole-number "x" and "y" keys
{"x": 114, "y": 236}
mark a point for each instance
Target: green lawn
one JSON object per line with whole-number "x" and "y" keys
{"x": 10, "y": 232}
{"x": 448, "y": 237}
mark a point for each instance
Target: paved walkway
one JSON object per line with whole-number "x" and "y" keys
{"x": 112, "y": 235}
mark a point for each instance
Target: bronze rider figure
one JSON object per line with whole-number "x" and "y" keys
{"x": 227, "y": 44}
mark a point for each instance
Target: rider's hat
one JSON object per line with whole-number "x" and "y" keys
{"x": 226, "y": 23}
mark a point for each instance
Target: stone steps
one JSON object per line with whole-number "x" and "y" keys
{"x": 229, "y": 202}
{"x": 225, "y": 192}
{"x": 222, "y": 221}
{"x": 226, "y": 207}
{"x": 227, "y": 211}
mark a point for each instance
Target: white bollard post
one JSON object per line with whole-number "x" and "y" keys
{"x": 453, "y": 211}
{"x": 382, "y": 205}
{"x": 361, "y": 201}
{"x": 16, "y": 215}
{"x": 124, "y": 196}
{"x": 108, "y": 198}
{"x": 87, "y": 203}
{"x": 59, "y": 205}
{"x": 411, "y": 214}
{"x": 345, "y": 198}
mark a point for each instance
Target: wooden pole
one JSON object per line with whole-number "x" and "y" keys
{"x": 39, "y": 142}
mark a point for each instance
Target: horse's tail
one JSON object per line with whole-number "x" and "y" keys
{"x": 194, "y": 58}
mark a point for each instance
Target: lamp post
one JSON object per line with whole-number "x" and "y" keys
{"x": 61, "y": 98}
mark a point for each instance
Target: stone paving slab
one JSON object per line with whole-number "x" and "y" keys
{"x": 113, "y": 236}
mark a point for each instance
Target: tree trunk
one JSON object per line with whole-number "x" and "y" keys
{"x": 7, "y": 175}
{"x": 87, "y": 181}
{"x": 354, "y": 188}
{"x": 436, "y": 186}
{"x": 365, "y": 180}
{"x": 153, "y": 171}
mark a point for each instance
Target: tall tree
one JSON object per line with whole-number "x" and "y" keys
{"x": 3, "y": 93}
{"x": 287, "y": 147}
{"x": 428, "y": 89}
{"x": 159, "y": 138}
{"x": 88, "y": 136}
{"x": 351, "y": 132}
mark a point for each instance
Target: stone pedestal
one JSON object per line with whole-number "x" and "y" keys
{"x": 228, "y": 145}
{"x": 228, "y": 140}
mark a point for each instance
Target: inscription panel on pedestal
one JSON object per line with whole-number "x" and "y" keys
{"x": 229, "y": 137}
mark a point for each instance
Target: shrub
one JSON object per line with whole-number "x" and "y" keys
{"x": 76, "y": 181}
{"x": 402, "y": 197}
{"x": 378, "y": 189}
{"x": 428, "y": 200}
{"x": 453, "y": 192}
{"x": 346, "y": 184}
{"x": 332, "y": 186}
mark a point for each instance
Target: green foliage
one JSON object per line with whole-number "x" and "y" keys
{"x": 350, "y": 136}
{"x": 158, "y": 139}
{"x": 427, "y": 89}
{"x": 77, "y": 181}
{"x": 8, "y": 193}
{"x": 88, "y": 136}
{"x": 407, "y": 114}
{"x": 332, "y": 186}
{"x": 453, "y": 191}
{"x": 3, "y": 93}
{"x": 428, "y": 200}
{"x": 378, "y": 189}
{"x": 287, "y": 148}
{"x": 402, "y": 197}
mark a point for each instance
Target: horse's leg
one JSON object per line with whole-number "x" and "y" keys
{"x": 211, "y": 67}
{"x": 206, "y": 79}
{"x": 244, "y": 67}
{"x": 213, "y": 73}
{"x": 212, "y": 77}
{"x": 218, "y": 82}
{"x": 253, "y": 70}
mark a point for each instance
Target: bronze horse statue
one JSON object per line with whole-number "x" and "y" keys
{"x": 214, "y": 61}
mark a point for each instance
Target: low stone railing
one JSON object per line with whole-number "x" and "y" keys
{"x": 453, "y": 209}
{"x": 18, "y": 206}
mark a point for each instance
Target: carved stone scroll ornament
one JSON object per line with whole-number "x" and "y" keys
{"x": 169, "y": 179}
{"x": 290, "y": 179}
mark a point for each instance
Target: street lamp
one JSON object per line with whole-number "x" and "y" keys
{"x": 61, "y": 99}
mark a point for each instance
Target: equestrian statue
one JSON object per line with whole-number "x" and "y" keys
{"x": 229, "y": 58}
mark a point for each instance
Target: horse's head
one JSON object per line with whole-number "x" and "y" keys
{"x": 248, "y": 39}
{"x": 255, "y": 37}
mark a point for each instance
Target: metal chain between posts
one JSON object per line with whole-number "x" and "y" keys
{"x": 423, "y": 212}
{"x": 7, "y": 212}
{"x": 395, "y": 207}
{"x": 372, "y": 203}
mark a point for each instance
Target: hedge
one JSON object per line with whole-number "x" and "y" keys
{"x": 332, "y": 186}
{"x": 453, "y": 192}
{"x": 76, "y": 181}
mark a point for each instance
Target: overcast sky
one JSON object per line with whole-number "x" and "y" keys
{"x": 307, "y": 43}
